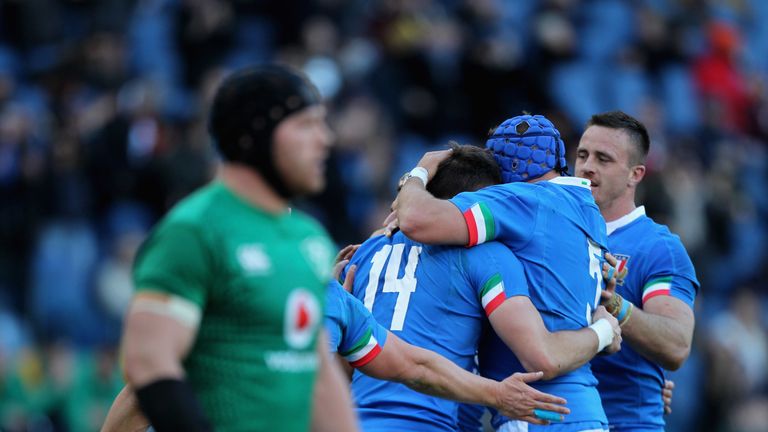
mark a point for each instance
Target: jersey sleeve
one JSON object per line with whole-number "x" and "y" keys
{"x": 670, "y": 272}
{"x": 502, "y": 212}
{"x": 496, "y": 275}
{"x": 334, "y": 315}
{"x": 175, "y": 260}
{"x": 363, "y": 338}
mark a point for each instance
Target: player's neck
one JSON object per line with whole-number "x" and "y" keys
{"x": 251, "y": 187}
{"x": 618, "y": 208}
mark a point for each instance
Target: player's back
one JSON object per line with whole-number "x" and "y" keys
{"x": 652, "y": 262}
{"x": 563, "y": 257}
{"x": 557, "y": 232}
{"x": 423, "y": 295}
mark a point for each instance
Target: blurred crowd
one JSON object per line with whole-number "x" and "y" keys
{"x": 103, "y": 127}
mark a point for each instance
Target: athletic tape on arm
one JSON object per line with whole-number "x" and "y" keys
{"x": 182, "y": 310}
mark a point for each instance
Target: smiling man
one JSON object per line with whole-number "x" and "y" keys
{"x": 656, "y": 281}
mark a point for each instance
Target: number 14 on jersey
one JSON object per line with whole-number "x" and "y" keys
{"x": 404, "y": 286}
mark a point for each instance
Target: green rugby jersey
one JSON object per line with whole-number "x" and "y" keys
{"x": 259, "y": 280}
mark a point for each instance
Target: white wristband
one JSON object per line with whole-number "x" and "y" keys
{"x": 420, "y": 173}
{"x": 604, "y": 333}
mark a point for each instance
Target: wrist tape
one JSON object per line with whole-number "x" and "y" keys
{"x": 604, "y": 333}
{"x": 625, "y": 312}
{"x": 420, "y": 173}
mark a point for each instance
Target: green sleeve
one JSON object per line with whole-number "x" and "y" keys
{"x": 176, "y": 260}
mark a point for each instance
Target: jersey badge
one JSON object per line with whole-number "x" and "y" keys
{"x": 621, "y": 268}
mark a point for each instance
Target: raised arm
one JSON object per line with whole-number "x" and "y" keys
{"x": 424, "y": 218}
{"x": 519, "y": 325}
{"x": 429, "y": 373}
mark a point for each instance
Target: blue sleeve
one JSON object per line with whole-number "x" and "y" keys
{"x": 495, "y": 273}
{"x": 670, "y": 271}
{"x": 335, "y": 316}
{"x": 506, "y": 213}
{"x": 363, "y": 338}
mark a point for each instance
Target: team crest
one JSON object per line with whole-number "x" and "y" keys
{"x": 302, "y": 314}
{"x": 621, "y": 268}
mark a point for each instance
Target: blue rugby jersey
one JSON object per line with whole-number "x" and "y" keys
{"x": 434, "y": 297}
{"x": 652, "y": 262}
{"x": 352, "y": 330}
{"x": 556, "y": 231}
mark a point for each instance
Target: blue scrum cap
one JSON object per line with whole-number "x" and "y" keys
{"x": 527, "y": 147}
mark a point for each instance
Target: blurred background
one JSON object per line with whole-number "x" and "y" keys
{"x": 102, "y": 128}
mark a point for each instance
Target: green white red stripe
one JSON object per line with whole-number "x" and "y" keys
{"x": 492, "y": 295}
{"x": 657, "y": 287}
{"x": 480, "y": 224}
{"x": 365, "y": 349}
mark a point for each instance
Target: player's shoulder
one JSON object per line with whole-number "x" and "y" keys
{"x": 185, "y": 224}
{"x": 490, "y": 257}
{"x": 501, "y": 191}
{"x": 335, "y": 300}
{"x": 489, "y": 249}
{"x": 660, "y": 244}
{"x": 195, "y": 209}
{"x": 571, "y": 194}
{"x": 212, "y": 208}
{"x": 302, "y": 223}
{"x": 517, "y": 189}
{"x": 658, "y": 235}
{"x": 376, "y": 242}
{"x": 570, "y": 198}
{"x": 334, "y": 290}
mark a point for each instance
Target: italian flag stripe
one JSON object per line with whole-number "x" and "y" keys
{"x": 490, "y": 225}
{"x": 492, "y": 294}
{"x": 367, "y": 358}
{"x": 480, "y": 224}
{"x": 622, "y": 263}
{"x": 657, "y": 287}
{"x": 364, "y": 350}
{"x": 492, "y": 282}
{"x": 471, "y": 226}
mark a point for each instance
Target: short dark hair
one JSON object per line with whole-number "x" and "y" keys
{"x": 468, "y": 168}
{"x": 638, "y": 134}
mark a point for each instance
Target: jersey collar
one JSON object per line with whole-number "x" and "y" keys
{"x": 572, "y": 181}
{"x": 628, "y": 218}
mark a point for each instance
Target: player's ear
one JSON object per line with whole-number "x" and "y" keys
{"x": 636, "y": 174}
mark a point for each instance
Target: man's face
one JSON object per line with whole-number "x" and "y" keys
{"x": 603, "y": 156}
{"x": 301, "y": 143}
